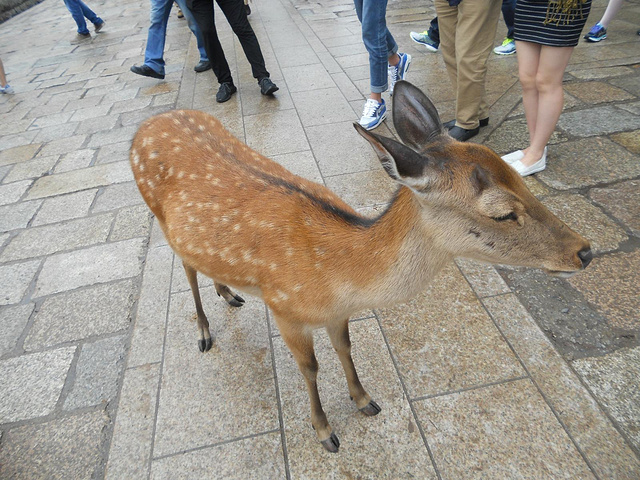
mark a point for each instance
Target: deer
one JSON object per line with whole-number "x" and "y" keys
{"x": 252, "y": 226}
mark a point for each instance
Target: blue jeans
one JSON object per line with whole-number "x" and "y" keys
{"x": 159, "y": 17}
{"x": 78, "y": 11}
{"x": 377, "y": 40}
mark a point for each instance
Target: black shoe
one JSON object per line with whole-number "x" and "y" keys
{"x": 451, "y": 123}
{"x": 267, "y": 87}
{"x": 462, "y": 134}
{"x": 225, "y": 91}
{"x": 202, "y": 66}
{"x": 146, "y": 71}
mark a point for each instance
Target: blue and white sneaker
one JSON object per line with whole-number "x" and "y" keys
{"x": 373, "y": 114}
{"x": 596, "y": 34}
{"x": 399, "y": 71}
{"x": 6, "y": 89}
{"x": 424, "y": 39}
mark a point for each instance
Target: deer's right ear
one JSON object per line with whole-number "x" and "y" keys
{"x": 414, "y": 116}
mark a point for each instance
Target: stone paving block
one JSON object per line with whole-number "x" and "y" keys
{"x": 614, "y": 380}
{"x": 597, "y": 92}
{"x": 388, "y": 445}
{"x": 217, "y": 401}
{"x": 13, "y": 321}
{"x": 610, "y": 120}
{"x": 514, "y": 134}
{"x": 51, "y": 120}
{"x": 74, "y": 316}
{"x": 98, "y": 264}
{"x": 588, "y": 162}
{"x": 15, "y": 279}
{"x": 500, "y": 431}
{"x": 115, "y": 197}
{"x": 77, "y": 180}
{"x": 97, "y": 373}
{"x": 257, "y": 457}
{"x": 14, "y": 217}
{"x": 115, "y": 152}
{"x": 32, "y": 383}
{"x": 452, "y": 343}
{"x": 612, "y": 285}
{"x": 589, "y": 221}
{"x": 622, "y": 201}
{"x": 75, "y": 160}
{"x": 598, "y": 73}
{"x": 48, "y": 239}
{"x": 31, "y": 169}
{"x": 61, "y": 449}
{"x": 276, "y": 133}
{"x": 98, "y": 124}
{"x": 131, "y": 222}
{"x": 312, "y": 107}
{"x": 65, "y": 207}
{"x": 363, "y": 189}
{"x": 130, "y": 452}
{"x": 85, "y": 114}
{"x": 56, "y": 132}
{"x": 300, "y": 163}
{"x": 115, "y": 135}
{"x": 630, "y": 83}
{"x": 12, "y": 192}
{"x": 629, "y": 140}
{"x": 592, "y": 431}
{"x": 62, "y": 145}
{"x": 483, "y": 278}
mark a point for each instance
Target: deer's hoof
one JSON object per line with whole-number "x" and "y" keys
{"x": 204, "y": 345}
{"x": 331, "y": 444}
{"x": 371, "y": 409}
{"x": 236, "y": 301}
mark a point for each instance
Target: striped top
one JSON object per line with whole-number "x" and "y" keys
{"x": 563, "y": 31}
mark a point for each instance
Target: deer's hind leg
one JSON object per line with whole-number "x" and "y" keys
{"x": 204, "y": 344}
{"x": 230, "y": 297}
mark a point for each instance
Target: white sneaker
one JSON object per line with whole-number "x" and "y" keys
{"x": 524, "y": 171}
{"x": 399, "y": 71}
{"x": 7, "y": 89}
{"x": 373, "y": 114}
{"x": 518, "y": 155}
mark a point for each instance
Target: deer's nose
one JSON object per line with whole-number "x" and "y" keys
{"x": 585, "y": 256}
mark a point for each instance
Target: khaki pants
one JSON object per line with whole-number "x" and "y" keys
{"x": 467, "y": 32}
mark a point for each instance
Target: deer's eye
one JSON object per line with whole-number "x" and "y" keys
{"x": 509, "y": 216}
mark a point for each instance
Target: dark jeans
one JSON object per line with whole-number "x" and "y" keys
{"x": 236, "y": 15}
{"x": 508, "y": 13}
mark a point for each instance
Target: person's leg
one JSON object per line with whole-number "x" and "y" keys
{"x": 528, "y": 60}
{"x": 434, "y": 30}
{"x": 154, "y": 51}
{"x": 613, "y": 7}
{"x": 509, "y": 15}
{"x": 374, "y": 36}
{"x": 89, "y": 14}
{"x": 76, "y": 12}
{"x": 3, "y": 77}
{"x": 193, "y": 26}
{"x": 203, "y": 14}
{"x": 548, "y": 82}
{"x": 448, "y": 24}
{"x": 236, "y": 15}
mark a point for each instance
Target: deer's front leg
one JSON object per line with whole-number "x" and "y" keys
{"x": 339, "y": 335}
{"x": 301, "y": 345}
{"x": 204, "y": 344}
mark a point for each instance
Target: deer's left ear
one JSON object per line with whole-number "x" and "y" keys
{"x": 415, "y": 117}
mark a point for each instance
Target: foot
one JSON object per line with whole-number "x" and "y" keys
{"x": 267, "y": 87}
{"x": 424, "y": 39}
{"x": 508, "y": 47}
{"x": 371, "y": 409}
{"x": 518, "y": 155}
{"x": 225, "y": 91}
{"x": 373, "y": 114}
{"x": 7, "y": 89}
{"x": 81, "y": 38}
{"x": 399, "y": 71}
{"x": 202, "y": 66}
{"x": 331, "y": 444}
{"x": 451, "y": 123}
{"x": 98, "y": 26}
{"x": 204, "y": 345}
{"x": 463, "y": 134}
{"x": 525, "y": 170}
{"x": 146, "y": 71}
{"x": 596, "y": 34}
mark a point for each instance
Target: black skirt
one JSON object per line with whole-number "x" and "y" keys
{"x": 562, "y": 31}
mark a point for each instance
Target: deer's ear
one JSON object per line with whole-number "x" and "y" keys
{"x": 414, "y": 116}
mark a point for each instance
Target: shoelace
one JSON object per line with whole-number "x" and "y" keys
{"x": 595, "y": 29}
{"x": 370, "y": 108}
{"x": 393, "y": 73}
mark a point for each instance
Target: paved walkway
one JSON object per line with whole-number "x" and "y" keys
{"x": 490, "y": 373}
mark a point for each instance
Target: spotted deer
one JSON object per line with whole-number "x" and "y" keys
{"x": 250, "y": 224}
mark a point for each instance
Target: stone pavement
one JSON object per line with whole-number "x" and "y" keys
{"x": 508, "y": 374}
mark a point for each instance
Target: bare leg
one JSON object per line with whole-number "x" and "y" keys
{"x": 528, "y": 60}
{"x": 226, "y": 293}
{"x": 339, "y": 336}
{"x": 301, "y": 345}
{"x": 204, "y": 344}
{"x": 613, "y": 7}
{"x": 3, "y": 78}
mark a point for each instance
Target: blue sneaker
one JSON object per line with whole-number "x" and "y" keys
{"x": 424, "y": 39}
{"x": 596, "y": 34}
{"x": 508, "y": 47}
{"x": 399, "y": 71}
{"x": 373, "y": 114}
{"x": 6, "y": 89}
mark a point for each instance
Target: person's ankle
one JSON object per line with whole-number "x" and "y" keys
{"x": 394, "y": 60}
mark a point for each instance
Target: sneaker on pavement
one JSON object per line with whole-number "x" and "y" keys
{"x": 508, "y": 47}
{"x": 7, "y": 89}
{"x": 267, "y": 87}
{"x": 81, "y": 38}
{"x": 596, "y": 34}
{"x": 146, "y": 71}
{"x": 373, "y": 114}
{"x": 399, "y": 71}
{"x": 424, "y": 39}
{"x": 225, "y": 91}
{"x": 98, "y": 26}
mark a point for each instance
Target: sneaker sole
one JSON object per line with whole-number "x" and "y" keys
{"x": 503, "y": 53}
{"x": 595, "y": 40}
{"x": 431, "y": 48}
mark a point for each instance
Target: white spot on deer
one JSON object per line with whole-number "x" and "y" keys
{"x": 164, "y": 134}
{"x": 297, "y": 288}
{"x": 176, "y": 121}
{"x": 193, "y": 176}
{"x": 177, "y": 149}
{"x": 151, "y": 184}
{"x": 180, "y": 174}
{"x": 147, "y": 141}
{"x": 170, "y": 171}
{"x": 191, "y": 120}
{"x": 141, "y": 167}
{"x": 289, "y": 252}
{"x": 201, "y": 127}
{"x": 153, "y": 155}
{"x": 273, "y": 267}
{"x": 236, "y": 227}
{"x": 282, "y": 296}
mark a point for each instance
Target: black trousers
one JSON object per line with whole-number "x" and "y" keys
{"x": 236, "y": 16}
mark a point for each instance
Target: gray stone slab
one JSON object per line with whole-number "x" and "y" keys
{"x": 131, "y": 222}
{"x": 130, "y": 452}
{"x": 300, "y": 163}
{"x": 363, "y": 189}
{"x": 607, "y": 119}
{"x": 115, "y": 197}
{"x": 484, "y": 278}
{"x": 65, "y": 207}
{"x": 97, "y": 373}
{"x": 63, "y": 145}
{"x": 14, "y": 217}
{"x": 205, "y": 398}
{"x": 32, "y": 383}
{"x": 257, "y": 457}
{"x": 613, "y": 379}
{"x": 622, "y": 201}
{"x": 15, "y": 279}
{"x": 113, "y": 136}
{"x": 313, "y": 110}
{"x": 84, "y": 179}
{"x": 61, "y": 449}
{"x": 276, "y": 133}
{"x": 19, "y": 154}
{"x": 75, "y": 160}
{"x": 12, "y": 192}
{"x": 114, "y": 152}
{"x": 35, "y": 168}
{"x": 13, "y": 321}
{"x": 98, "y": 264}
